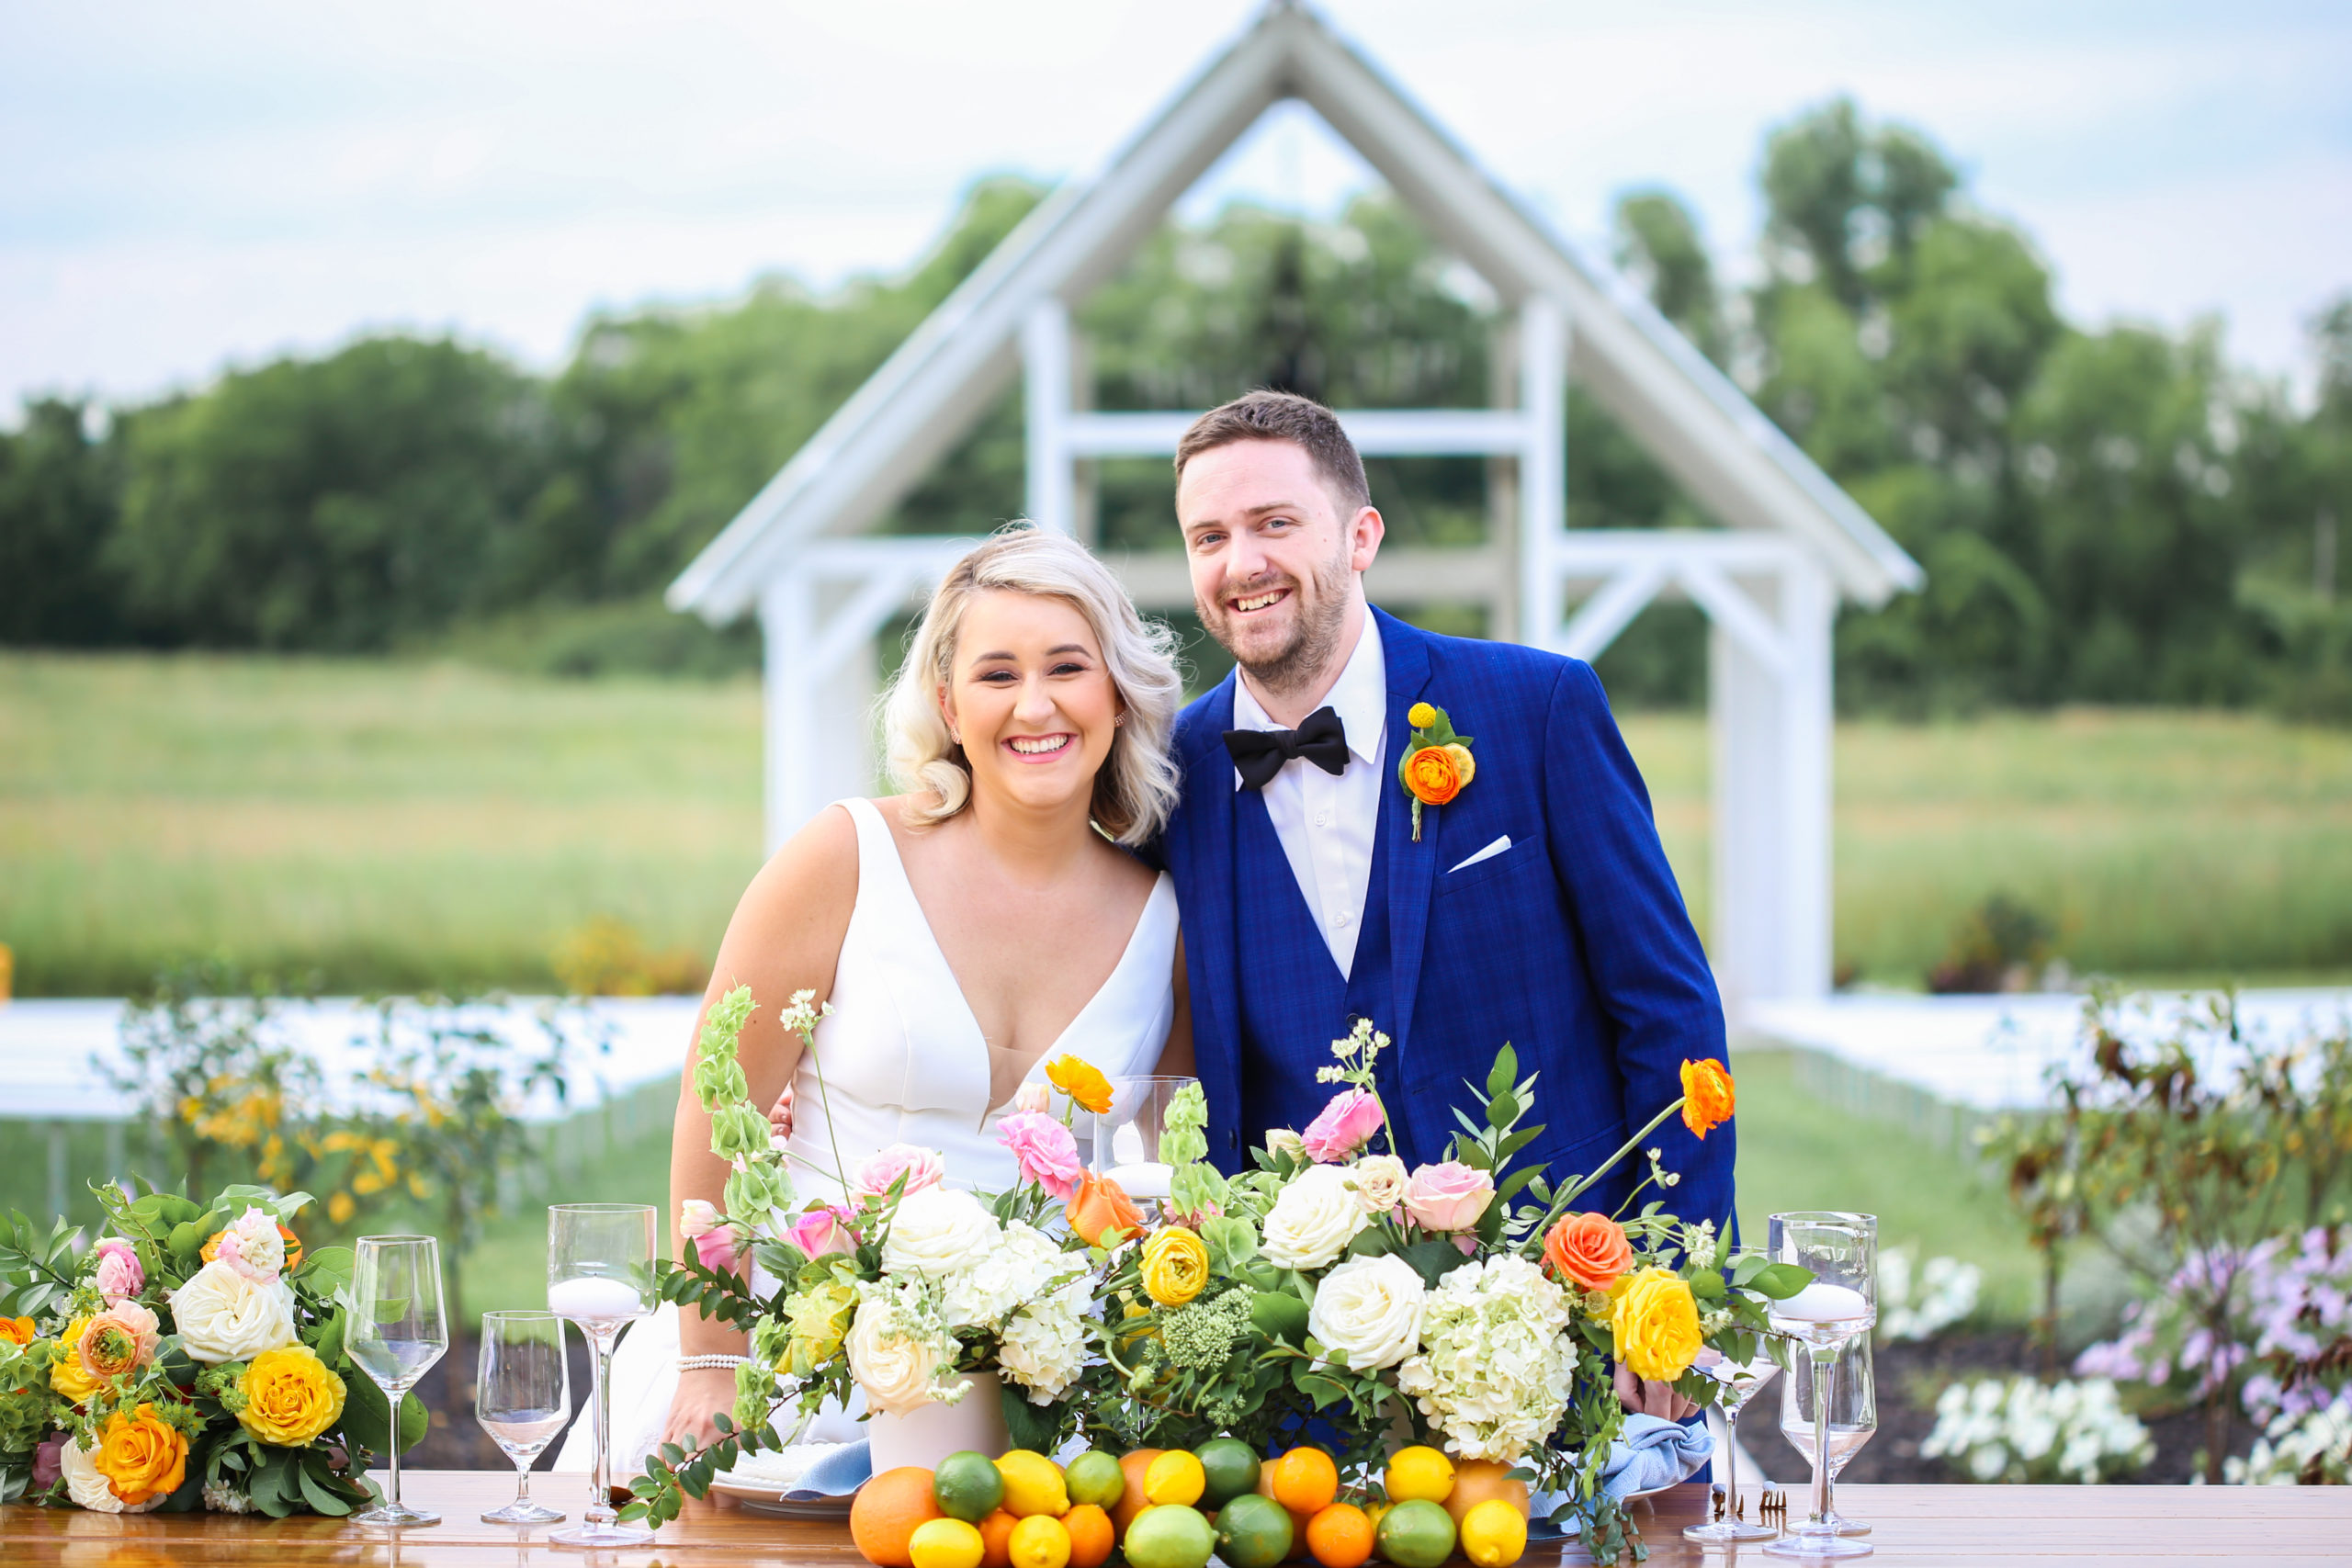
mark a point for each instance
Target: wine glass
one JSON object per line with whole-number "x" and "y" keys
{"x": 523, "y": 1397}
{"x": 1840, "y": 1250}
{"x": 1737, "y": 1382}
{"x": 397, "y": 1329}
{"x": 1853, "y": 1414}
{"x": 600, "y": 1275}
{"x": 1126, "y": 1137}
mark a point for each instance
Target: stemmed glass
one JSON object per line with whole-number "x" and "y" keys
{"x": 1853, "y": 1415}
{"x": 1737, "y": 1382}
{"x": 600, "y": 1276}
{"x": 1839, "y": 1306}
{"x": 398, "y": 1328}
{"x": 522, "y": 1398}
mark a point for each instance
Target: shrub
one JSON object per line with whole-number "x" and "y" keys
{"x": 2016, "y": 1429}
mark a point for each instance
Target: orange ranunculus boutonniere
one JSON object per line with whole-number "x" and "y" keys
{"x": 1100, "y": 1204}
{"x": 1082, "y": 1082}
{"x": 1590, "y": 1251}
{"x": 1437, "y": 764}
{"x": 1706, "y": 1096}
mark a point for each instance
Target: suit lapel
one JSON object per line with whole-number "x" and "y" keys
{"x": 1412, "y": 868}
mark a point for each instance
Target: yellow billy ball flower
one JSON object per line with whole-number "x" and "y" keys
{"x": 1175, "y": 1266}
{"x": 1421, "y": 716}
{"x": 1656, "y": 1324}
{"x": 291, "y": 1396}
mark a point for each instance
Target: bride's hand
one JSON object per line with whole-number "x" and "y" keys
{"x": 780, "y": 1114}
{"x": 702, "y": 1393}
{"x": 1644, "y": 1396}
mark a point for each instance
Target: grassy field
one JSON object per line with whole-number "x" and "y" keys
{"x": 389, "y": 825}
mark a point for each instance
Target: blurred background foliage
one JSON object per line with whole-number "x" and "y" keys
{"x": 2113, "y": 515}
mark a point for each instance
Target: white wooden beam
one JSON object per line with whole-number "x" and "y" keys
{"x": 1045, "y": 363}
{"x": 1542, "y": 467}
{"x": 1600, "y": 618}
{"x": 1377, "y": 432}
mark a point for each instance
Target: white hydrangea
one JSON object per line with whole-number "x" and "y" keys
{"x": 2016, "y": 1429}
{"x": 1496, "y": 1363}
{"x": 1043, "y": 1348}
{"x": 1943, "y": 1293}
{"x": 1021, "y": 1267}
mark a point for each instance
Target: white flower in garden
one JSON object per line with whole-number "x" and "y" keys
{"x": 221, "y": 1316}
{"x": 2020, "y": 1430}
{"x": 1496, "y": 1363}
{"x": 1380, "y": 1182}
{"x": 1314, "y": 1218}
{"x": 1368, "y": 1310}
{"x": 1010, "y": 1273}
{"x": 938, "y": 1231}
{"x": 894, "y": 1361}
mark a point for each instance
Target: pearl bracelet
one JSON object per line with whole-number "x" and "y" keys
{"x": 699, "y": 1363}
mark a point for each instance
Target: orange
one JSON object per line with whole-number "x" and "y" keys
{"x": 1306, "y": 1480}
{"x": 1339, "y": 1536}
{"x": 1298, "y": 1516}
{"x": 996, "y": 1540}
{"x": 1477, "y": 1481}
{"x": 1090, "y": 1536}
{"x": 888, "y": 1511}
{"x": 1132, "y": 1501}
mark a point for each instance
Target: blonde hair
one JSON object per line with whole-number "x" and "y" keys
{"x": 1135, "y": 788}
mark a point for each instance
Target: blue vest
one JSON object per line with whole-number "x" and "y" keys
{"x": 1292, "y": 1010}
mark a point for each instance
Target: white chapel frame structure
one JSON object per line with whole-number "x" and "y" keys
{"x": 800, "y": 553}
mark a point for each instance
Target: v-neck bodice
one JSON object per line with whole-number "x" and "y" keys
{"x": 903, "y": 1058}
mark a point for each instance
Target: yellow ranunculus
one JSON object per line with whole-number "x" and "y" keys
{"x": 141, "y": 1458}
{"x": 1082, "y": 1082}
{"x": 1175, "y": 1266}
{"x": 290, "y": 1396}
{"x": 1656, "y": 1324}
{"x": 69, "y": 1377}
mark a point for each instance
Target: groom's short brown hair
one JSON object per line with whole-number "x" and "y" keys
{"x": 1265, "y": 416}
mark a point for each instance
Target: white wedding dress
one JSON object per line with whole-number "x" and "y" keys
{"x": 904, "y": 1063}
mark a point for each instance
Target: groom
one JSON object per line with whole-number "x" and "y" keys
{"x": 1536, "y": 907}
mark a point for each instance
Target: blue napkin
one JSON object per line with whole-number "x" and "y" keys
{"x": 1651, "y": 1453}
{"x": 837, "y": 1474}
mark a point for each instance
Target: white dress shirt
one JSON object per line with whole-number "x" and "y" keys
{"x": 1327, "y": 821}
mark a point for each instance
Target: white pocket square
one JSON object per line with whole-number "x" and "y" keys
{"x": 1489, "y": 853}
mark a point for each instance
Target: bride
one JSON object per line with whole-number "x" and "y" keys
{"x": 964, "y": 930}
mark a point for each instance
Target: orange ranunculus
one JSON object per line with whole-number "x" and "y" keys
{"x": 1433, "y": 775}
{"x": 1100, "y": 1204}
{"x": 1706, "y": 1096}
{"x": 1589, "y": 1249}
{"x": 1082, "y": 1082}
{"x": 211, "y": 1253}
{"x": 120, "y": 1339}
{"x": 16, "y": 1330}
{"x": 141, "y": 1457}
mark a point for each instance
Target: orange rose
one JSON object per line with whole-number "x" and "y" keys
{"x": 16, "y": 1330}
{"x": 1590, "y": 1249}
{"x": 1082, "y": 1082}
{"x": 1433, "y": 775}
{"x": 141, "y": 1457}
{"x": 1706, "y": 1096}
{"x": 1100, "y": 1204}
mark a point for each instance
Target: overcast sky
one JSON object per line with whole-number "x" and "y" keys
{"x": 190, "y": 187}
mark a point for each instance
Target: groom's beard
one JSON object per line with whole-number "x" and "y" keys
{"x": 1315, "y": 633}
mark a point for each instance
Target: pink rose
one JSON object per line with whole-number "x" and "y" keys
{"x": 697, "y": 1217}
{"x": 718, "y": 1249}
{"x": 1448, "y": 1196}
{"x": 922, "y": 1167}
{"x": 820, "y": 1231}
{"x": 1345, "y": 1125}
{"x": 120, "y": 1276}
{"x": 1043, "y": 1150}
{"x": 1034, "y": 1097}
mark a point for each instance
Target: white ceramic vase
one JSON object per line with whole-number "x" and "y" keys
{"x": 931, "y": 1433}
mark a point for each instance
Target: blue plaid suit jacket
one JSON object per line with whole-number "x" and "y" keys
{"x": 1573, "y": 946}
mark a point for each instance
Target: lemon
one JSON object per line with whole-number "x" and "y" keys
{"x": 1033, "y": 1485}
{"x": 945, "y": 1543}
{"x": 1494, "y": 1534}
{"x": 1175, "y": 1476}
{"x": 1038, "y": 1541}
{"x": 1419, "y": 1474}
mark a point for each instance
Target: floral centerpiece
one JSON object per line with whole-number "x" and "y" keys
{"x": 191, "y": 1357}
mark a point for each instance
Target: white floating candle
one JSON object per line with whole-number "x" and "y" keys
{"x": 1822, "y": 1301}
{"x": 1145, "y": 1179}
{"x": 591, "y": 1298}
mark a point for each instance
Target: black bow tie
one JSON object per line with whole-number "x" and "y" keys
{"x": 1259, "y": 754}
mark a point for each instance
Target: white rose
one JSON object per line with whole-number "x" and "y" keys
{"x": 1283, "y": 1141}
{"x": 897, "y": 1371}
{"x": 1313, "y": 1219}
{"x": 1380, "y": 1182}
{"x": 253, "y": 1246}
{"x": 88, "y": 1488}
{"x": 223, "y": 1317}
{"x": 1368, "y": 1310}
{"x": 938, "y": 1231}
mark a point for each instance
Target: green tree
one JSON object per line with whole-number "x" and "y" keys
{"x": 1658, "y": 246}
{"x": 59, "y": 495}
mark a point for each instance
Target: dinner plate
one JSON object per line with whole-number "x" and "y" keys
{"x": 764, "y": 1498}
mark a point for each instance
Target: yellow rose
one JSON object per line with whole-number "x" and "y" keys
{"x": 1656, "y": 1324}
{"x": 69, "y": 1377}
{"x": 290, "y": 1396}
{"x": 141, "y": 1457}
{"x": 1175, "y": 1266}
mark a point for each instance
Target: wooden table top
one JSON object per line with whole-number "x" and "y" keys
{"x": 1927, "y": 1525}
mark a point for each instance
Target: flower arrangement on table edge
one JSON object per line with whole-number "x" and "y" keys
{"x": 1329, "y": 1285}
{"x": 191, "y": 1357}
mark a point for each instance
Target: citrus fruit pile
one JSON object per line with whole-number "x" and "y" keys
{"x": 1178, "y": 1508}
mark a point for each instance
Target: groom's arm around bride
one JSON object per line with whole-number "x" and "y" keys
{"x": 1535, "y": 906}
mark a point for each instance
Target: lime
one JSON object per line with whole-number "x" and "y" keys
{"x": 1230, "y": 1467}
{"x": 968, "y": 1486}
{"x": 1033, "y": 1485}
{"x": 1494, "y": 1534}
{"x": 1172, "y": 1535}
{"x": 1417, "y": 1534}
{"x": 1094, "y": 1477}
{"x": 1253, "y": 1532}
{"x": 944, "y": 1543}
{"x": 1175, "y": 1476}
